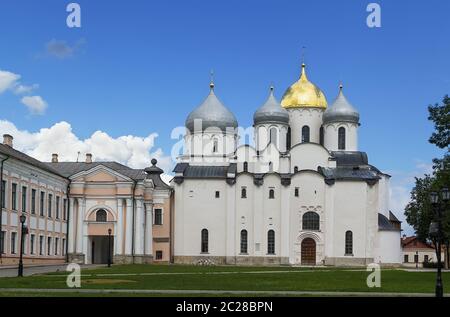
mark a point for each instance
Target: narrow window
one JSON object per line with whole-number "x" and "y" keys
{"x": 41, "y": 204}
{"x": 288, "y": 139}
{"x": 63, "y": 246}
{"x": 49, "y": 210}
{"x": 416, "y": 258}
{"x": 32, "y": 242}
{"x": 49, "y": 246}
{"x": 271, "y": 242}
{"x": 57, "y": 206}
{"x": 204, "y": 241}
{"x": 244, "y": 192}
{"x": 33, "y": 201}
{"x": 270, "y": 167}
{"x": 244, "y": 242}
{"x": 245, "y": 166}
{"x": 349, "y": 243}
{"x": 3, "y": 193}
{"x": 101, "y": 216}
{"x": 158, "y": 217}
{"x": 14, "y": 196}
{"x": 2, "y": 242}
{"x": 305, "y": 134}
{"x": 271, "y": 194}
{"x": 217, "y": 194}
{"x": 425, "y": 258}
{"x": 321, "y": 136}
{"x": 295, "y": 169}
{"x": 13, "y": 242}
{"x": 64, "y": 209}
{"x": 215, "y": 146}
{"x": 406, "y": 258}
{"x": 56, "y": 245}
{"x": 24, "y": 199}
{"x": 41, "y": 245}
{"x": 341, "y": 138}
{"x": 274, "y": 136}
{"x": 296, "y": 192}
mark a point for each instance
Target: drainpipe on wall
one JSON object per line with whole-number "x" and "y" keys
{"x": 68, "y": 221}
{"x": 132, "y": 209}
{"x": 1, "y": 207}
{"x": 171, "y": 228}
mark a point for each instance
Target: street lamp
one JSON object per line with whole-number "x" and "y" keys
{"x": 23, "y": 232}
{"x": 109, "y": 247}
{"x": 436, "y": 232}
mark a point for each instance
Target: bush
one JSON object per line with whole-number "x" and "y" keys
{"x": 432, "y": 265}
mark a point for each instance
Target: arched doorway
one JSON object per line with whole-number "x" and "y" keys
{"x": 308, "y": 251}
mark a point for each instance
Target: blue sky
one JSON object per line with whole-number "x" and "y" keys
{"x": 139, "y": 67}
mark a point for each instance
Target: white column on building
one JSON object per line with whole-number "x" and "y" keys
{"x": 148, "y": 248}
{"x": 129, "y": 228}
{"x": 85, "y": 242}
{"x": 119, "y": 228}
{"x": 139, "y": 229}
{"x": 81, "y": 210}
{"x": 72, "y": 235}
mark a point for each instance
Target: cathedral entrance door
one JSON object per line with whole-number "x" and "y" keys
{"x": 308, "y": 251}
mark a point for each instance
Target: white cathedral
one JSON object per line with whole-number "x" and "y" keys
{"x": 304, "y": 195}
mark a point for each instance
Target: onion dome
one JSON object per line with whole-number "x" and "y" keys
{"x": 304, "y": 94}
{"x": 271, "y": 112}
{"x": 341, "y": 111}
{"x": 211, "y": 113}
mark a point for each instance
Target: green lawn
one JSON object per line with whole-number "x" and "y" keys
{"x": 178, "y": 277}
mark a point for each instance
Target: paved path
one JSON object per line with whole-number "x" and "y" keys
{"x": 11, "y": 271}
{"x": 212, "y": 292}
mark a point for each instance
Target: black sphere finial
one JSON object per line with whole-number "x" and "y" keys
{"x": 154, "y": 161}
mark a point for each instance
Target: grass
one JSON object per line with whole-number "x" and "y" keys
{"x": 180, "y": 277}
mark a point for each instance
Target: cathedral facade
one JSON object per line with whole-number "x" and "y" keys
{"x": 302, "y": 195}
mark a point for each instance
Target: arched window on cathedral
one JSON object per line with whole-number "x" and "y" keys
{"x": 271, "y": 242}
{"x": 245, "y": 166}
{"x": 270, "y": 167}
{"x": 349, "y": 243}
{"x": 305, "y": 134}
{"x": 311, "y": 221}
{"x": 288, "y": 139}
{"x": 244, "y": 192}
{"x": 272, "y": 194}
{"x": 341, "y": 138}
{"x": 215, "y": 145}
{"x": 274, "y": 136}
{"x": 321, "y": 136}
{"x": 244, "y": 242}
{"x": 295, "y": 169}
{"x": 205, "y": 239}
{"x": 101, "y": 215}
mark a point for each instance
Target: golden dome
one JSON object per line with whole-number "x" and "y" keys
{"x": 304, "y": 94}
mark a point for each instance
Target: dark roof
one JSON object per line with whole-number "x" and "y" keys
{"x": 350, "y": 158}
{"x": 384, "y": 224}
{"x": 393, "y": 218}
{"x": 11, "y": 152}
{"x": 206, "y": 172}
{"x": 69, "y": 169}
{"x": 349, "y": 173}
{"x": 414, "y": 243}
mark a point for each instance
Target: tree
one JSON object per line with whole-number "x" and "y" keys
{"x": 419, "y": 212}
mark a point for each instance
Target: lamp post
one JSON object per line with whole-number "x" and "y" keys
{"x": 109, "y": 247}
{"x": 439, "y": 205}
{"x": 23, "y": 232}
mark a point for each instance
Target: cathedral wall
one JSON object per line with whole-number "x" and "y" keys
{"x": 308, "y": 156}
{"x": 197, "y": 208}
{"x": 299, "y": 117}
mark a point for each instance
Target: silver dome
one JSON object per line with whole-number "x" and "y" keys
{"x": 271, "y": 111}
{"x": 341, "y": 111}
{"x": 212, "y": 113}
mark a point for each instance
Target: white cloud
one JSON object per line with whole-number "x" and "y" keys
{"x": 24, "y": 89}
{"x": 400, "y": 194}
{"x": 7, "y": 80}
{"x": 35, "y": 104}
{"x": 61, "y": 49}
{"x": 133, "y": 151}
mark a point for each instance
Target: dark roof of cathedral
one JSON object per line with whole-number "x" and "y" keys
{"x": 11, "y": 152}
{"x": 350, "y": 158}
{"x": 384, "y": 224}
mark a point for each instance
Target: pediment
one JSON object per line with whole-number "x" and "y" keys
{"x": 100, "y": 174}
